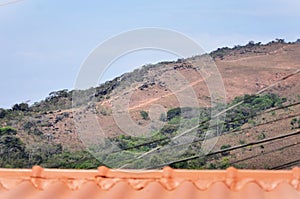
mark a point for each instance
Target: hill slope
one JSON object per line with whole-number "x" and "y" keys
{"x": 46, "y": 132}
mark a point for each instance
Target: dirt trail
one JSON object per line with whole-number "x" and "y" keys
{"x": 149, "y": 101}
{"x": 166, "y": 95}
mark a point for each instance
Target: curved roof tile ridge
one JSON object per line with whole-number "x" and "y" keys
{"x": 169, "y": 179}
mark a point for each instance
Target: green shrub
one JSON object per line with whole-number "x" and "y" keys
{"x": 28, "y": 125}
{"x": 212, "y": 166}
{"x": 225, "y": 163}
{"x": 242, "y": 142}
{"x": 21, "y": 107}
{"x": 293, "y": 121}
{"x": 225, "y": 146}
{"x": 7, "y": 131}
{"x": 175, "y": 120}
{"x": 2, "y": 113}
{"x": 144, "y": 115}
{"x": 12, "y": 152}
{"x": 261, "y": 136}
{"x": 173, "y": 113}
{"x": 169, "y": 129}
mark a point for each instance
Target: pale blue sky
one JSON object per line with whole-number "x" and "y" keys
{"x": 43, "y": 43}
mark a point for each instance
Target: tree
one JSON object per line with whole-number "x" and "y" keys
{"x": 251, "y": 43}
{"x": 280, "y": 40}
{"x": 61, "y": 93}
{"x": 12, "y": 152}
{"x": 21, "y": 107}
{"x": 2, "y": 113}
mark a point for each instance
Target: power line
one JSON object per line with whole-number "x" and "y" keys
{"x": 285, "y": 165}
{"x": 262, "y": 90}
{"x": 265, "y": 153}
{"x": 269, "y": 122}
{"x": 278, "y": 81}
{"x": 218, "y": 114}
{"x": 199, "y": 140}
{"x": 229, "y": 149}
{"x": 229, "y": 122}
{"x": 202, "y": 139}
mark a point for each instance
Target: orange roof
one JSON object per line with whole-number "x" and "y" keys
{"x": 168, "y": 183}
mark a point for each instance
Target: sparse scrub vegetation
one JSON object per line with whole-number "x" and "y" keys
{"x": 261, "y": 136}
{"x": 144, "y": 115}
{"x": 30, "y": 134}
{"x": 175, "y": 117}
{"x": 225, "y": 146}
{"x": 52, "y": 155}
{"x": 295, "y": 123}
{"x": 242, "y": 142}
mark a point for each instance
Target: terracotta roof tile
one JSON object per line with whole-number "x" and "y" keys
{"x": 168, "y": 183}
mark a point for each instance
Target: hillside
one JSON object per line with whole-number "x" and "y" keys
{"x": 262, "y": 93}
